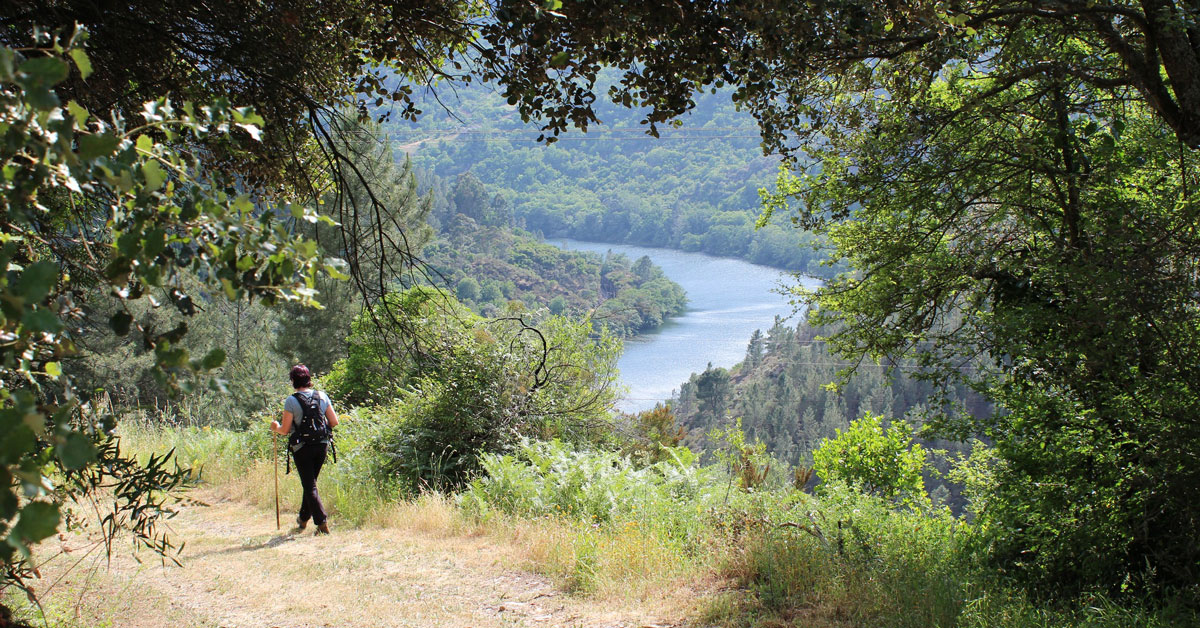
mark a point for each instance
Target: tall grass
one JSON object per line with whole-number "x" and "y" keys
{"x": 841, "y": 558}
{"x": 243, "y": 464}
{"x": 602, "y": 526}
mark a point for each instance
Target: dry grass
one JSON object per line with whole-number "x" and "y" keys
{"x": 623, "y": 567}
{"x": 424, "y": 570}
{"x": 431, "y": 514}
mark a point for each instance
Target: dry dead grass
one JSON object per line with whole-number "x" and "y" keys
{"x": 417, "y": 564}
{"x": 626, "y": 565}
{"x": 432, "y": 514}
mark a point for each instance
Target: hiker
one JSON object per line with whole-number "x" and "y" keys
{"x": 308, "y": 421}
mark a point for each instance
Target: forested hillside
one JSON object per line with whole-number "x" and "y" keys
{"x": 784, "y": 395}
{"x": 695, "y": 188}
{"x": 489, "y": 267}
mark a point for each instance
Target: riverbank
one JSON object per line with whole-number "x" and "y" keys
{"x": 727, "y": 300}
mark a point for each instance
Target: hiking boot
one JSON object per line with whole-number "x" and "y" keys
{"x": 301, "y": 524}
{"x": 323, "y": 528}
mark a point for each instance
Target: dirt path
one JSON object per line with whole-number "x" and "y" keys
{"x": 238, "y": 572}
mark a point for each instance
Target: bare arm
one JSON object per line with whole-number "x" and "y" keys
{"x": 331, "y": 416}
{"x": 284, "y": 425}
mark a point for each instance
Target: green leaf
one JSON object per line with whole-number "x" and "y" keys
{"x": 38, "y": 520}
{"x": 129, "y": 244}
{"x": 246, "y": 115}
{"x": 76, "y": 451}
{"x": 46, "y": 71}
{"x": 7, "y": 64}
{"x": 98, "y": 145}
{"x": 41, "y": 319}
{"x": 41, "y": 98}
{"x": 559, "y": 60}
{"x": 154, "y": 242}
{"x": 80, "y": 114}
{"x": 37, "y": 280}
{"x": 53, "y": 369}
{"x": 82, "y": 62}
{"x": 307, "y": 248}
{"x": 125, "y": 181}
{"x": 18, "y": 439}
{"x": 8, "y": 497}
{"x": 215, "y": 358}
{"x": 243, "y": 204}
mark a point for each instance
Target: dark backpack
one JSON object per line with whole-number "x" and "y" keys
{"x": 310, "y": 427}
{"x": 313, "y": 426}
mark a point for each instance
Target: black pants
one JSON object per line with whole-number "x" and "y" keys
{"x": 309, "y": 460}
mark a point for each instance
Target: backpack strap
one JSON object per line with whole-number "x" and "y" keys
{"x": 291, "y": 437}
{"x": 332, "y": 436}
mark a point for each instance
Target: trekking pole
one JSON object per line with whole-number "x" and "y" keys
{"x": 275, "y": 456}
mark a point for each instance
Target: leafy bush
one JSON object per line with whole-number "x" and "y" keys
{"x": 473, "y": 385}
{"x": 876, "y": 460}
{"x": 747, "y": 462}
{"x": 857, "y": 556}
{"x": 651, "y": 435}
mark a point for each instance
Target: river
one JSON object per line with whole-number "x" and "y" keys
{"x": 727, "y": 300}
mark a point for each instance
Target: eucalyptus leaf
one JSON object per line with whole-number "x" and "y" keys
{"x": 37, "y": 280}
{"x": 37, "y": 521}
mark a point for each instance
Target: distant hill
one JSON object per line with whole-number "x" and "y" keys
{"x": 695, "y": 188}
{"x": 488, "y": 267}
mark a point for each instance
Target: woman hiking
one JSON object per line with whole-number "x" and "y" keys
{"x": 308, "y": 421}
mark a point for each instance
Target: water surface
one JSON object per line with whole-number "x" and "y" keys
{"x": 727, "y": 300}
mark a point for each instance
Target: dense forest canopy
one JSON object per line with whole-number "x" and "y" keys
{"x": 780, "y": 395}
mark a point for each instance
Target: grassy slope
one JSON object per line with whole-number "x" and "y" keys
{"x": 653, "y": 547}
{"x": 390, "y": 561}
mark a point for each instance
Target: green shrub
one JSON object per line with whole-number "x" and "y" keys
{"x": 746, "y": 462}
{"x": 475, "y": 386}
{"x": 876, "y": 460}
{"x": 854, "y": 555}
{"x": 672, "y": 497}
